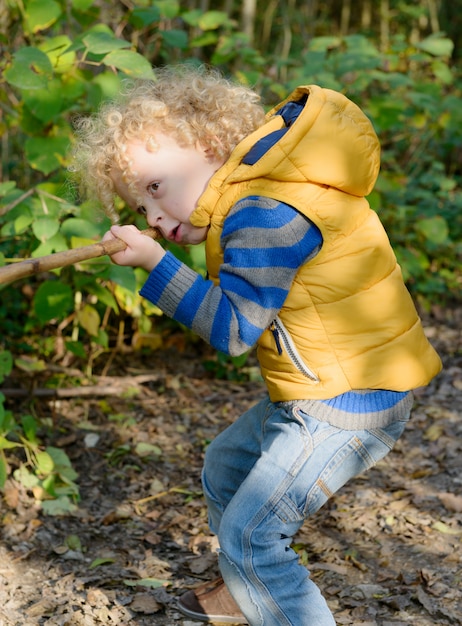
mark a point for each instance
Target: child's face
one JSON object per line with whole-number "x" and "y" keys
{"x": 170, "y": 181}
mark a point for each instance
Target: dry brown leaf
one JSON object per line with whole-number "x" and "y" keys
{"x": 451, "y": 502}
{"x": 434, "y": 432}
{"x": 153, "y": 538}
{"x": 40, "y": 608}
{"x": 202, "y": 563}
{"x": 425, "y": 600}
{"x": 11, "y": 494}
{"x": 145, "y": 603}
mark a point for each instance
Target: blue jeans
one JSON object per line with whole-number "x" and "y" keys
{"x": 263, "y": 476}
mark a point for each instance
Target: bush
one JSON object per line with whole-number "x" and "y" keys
{"x": 62, "y": 59}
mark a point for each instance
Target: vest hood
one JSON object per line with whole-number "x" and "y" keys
{"x": 324, "y": 138}
{"x": 331, "y": 142}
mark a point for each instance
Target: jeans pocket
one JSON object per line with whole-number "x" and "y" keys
{"x": 350, "y": 454}
{"x": 384, "y": 438}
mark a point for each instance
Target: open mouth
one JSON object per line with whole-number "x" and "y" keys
{"x": 174, "y": 233}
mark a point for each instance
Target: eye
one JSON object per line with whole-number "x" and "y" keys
{"x": 153, "y": 187}
{"x": 141, "y": 210}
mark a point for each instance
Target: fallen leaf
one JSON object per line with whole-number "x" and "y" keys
{"x": 101, "y": 561}
{"x": 11, "y": 494}
{"x": 451, "y": 502}
{"x": 434, "y": 432}
{"x": 201, "y": 564}
{"x": 144, "y": 603}
{"x": 153, "y": 538}
{"x": 153, "y": 583}
{"x": 444, "y": 528}
{"x": 425, "y": 600}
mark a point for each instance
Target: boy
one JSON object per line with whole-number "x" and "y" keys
{"x": 299, "y": 266}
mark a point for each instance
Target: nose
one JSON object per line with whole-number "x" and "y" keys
{"x": 153, "y": 216}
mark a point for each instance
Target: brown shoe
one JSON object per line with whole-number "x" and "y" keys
{"x": 211, "y": 602}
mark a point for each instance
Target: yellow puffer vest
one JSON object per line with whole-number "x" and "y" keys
{"x": 348, "y": 321}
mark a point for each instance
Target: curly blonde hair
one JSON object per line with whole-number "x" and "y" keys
{"x": 189, "y": 104}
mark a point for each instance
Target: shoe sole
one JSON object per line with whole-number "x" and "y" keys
{"x": 216, "y": 619}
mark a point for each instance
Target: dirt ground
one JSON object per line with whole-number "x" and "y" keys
{"x": 386, "y": 550}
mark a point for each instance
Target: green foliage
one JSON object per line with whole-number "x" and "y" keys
{"x": 412, "y": 95}
{"x": 46, "y": 472}
{"x": 63, "y": 59}
{"x": 68, "y": 58}
{"x": 50, "y": 477}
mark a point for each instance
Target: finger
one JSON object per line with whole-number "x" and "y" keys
{"x": 108, "y": 236}
{"x": 128, "y": 233}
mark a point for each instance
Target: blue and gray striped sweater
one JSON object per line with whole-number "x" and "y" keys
{"x": 264, "y": 244}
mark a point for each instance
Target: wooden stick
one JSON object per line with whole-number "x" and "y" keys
{"x": 28, "y": 267}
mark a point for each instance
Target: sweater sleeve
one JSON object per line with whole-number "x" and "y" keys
{"x": 264, "y": 243}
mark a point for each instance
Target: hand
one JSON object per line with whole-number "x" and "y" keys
{"x": 141, "y": 250}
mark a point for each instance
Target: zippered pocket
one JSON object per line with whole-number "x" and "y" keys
{"x": 285, "y": 342}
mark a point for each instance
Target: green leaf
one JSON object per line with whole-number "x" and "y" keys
{"x": 29, "y": 425}
{"x": 7, "y": 421}
{"x": 435, "y": 229}
{"x": 17, "y": 226}
{"x": 443, "y": 73}
{"x": 77, "y": 348}
{"x": 82, "y": 5}
{"x": 131, "y": 63}
{"x": 192, "y": 17}
{"x": 52, "y": 299}
{"x": 45, "y": 104}
{"x": 57, "y": 243}
{"x": 78, "y": 227}
{"x": 101, "y": 561}
{"x": 103, "y": 294}
{"x": 31, "y": 69}
{"x": 89, "y": 319}
{"x": 25, "y": 477}
{"x": 102, "y": 338}
{"x": 101, "y": 43}
{"x": 78, "y": 242}
{"x": 144, "y": 449}
{"x": 413, "y": 262}
{"x": 3, "y": 471}
{"x": 61, "y": 506}
{"x": 212, "y": 20}
{"x": 7, "y": 444}
{"x": 73, "y": 543}
{"x": 56, "y": 49}
{"x": 6, "y": 364}
{"x": 141, "y": 18}
{"x": 153, "y": 583}
{"x": 41, "y": 14}
{"x": 123, "y": 276}
{"x": 5, "y": 188}
{"x": 31, "y": 365}
{"x": 176, "y": 38}
{"x": 44, "y": 463}
{"x": 445, "y": 529}
{"x": 60, "y": 459}
{"x": 325, "y": 43}
{"x": 45, "y": 227}
{"x": 46, "y": 154}
{"x": 104, "y": 86}
{"x": 206, "y": 39}
{"x": 168, "y": 8}
{"x": 436, "y": 45}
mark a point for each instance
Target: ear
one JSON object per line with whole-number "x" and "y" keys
{"x": 210, "y": 156}
{"x": 204, "y": 149}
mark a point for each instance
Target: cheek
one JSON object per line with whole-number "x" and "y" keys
{"x": 199, "y": 235}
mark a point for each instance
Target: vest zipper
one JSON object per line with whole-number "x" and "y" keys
{"x": 284, "y": 340}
